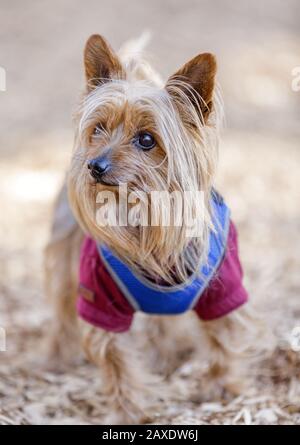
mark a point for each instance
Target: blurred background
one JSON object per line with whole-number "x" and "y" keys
{"x": 257, "y": 44}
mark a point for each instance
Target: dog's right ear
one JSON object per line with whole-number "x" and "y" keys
{"x": 100, "y": 61}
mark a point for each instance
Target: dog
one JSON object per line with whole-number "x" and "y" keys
{"x": 132, "y": 128}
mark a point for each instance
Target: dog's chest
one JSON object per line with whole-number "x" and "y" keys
{"x": 110, "y": 292}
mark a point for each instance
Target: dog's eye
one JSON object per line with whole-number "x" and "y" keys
{"x": 97, "y": 130}
{"x": 145, "y": 141}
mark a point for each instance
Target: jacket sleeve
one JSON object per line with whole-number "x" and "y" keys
{"x": 100, "y": 302}
{"x": 225, "y": 292}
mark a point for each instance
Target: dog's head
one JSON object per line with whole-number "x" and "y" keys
{"x": 132, "y": 130}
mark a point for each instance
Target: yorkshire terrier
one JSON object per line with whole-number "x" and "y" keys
{"x": 133, "y": 129}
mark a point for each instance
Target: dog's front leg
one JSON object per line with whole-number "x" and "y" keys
{"x": 231, "y": 341}
{"x": 125, "y": 382}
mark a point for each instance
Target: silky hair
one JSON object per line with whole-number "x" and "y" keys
{"x": 189, "y": 144}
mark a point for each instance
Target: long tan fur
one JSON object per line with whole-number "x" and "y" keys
{"x": 123, "y": 91}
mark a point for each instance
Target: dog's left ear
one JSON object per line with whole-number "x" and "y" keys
{"x": 100, "y": 61}
{"x": 197, "y": 82}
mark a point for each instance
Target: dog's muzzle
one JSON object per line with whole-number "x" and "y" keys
{"x": 98, "y": 167}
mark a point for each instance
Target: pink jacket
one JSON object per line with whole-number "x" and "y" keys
{"x": 105, "y": 302}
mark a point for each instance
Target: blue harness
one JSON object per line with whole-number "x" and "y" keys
{"x": 152, "y": 298}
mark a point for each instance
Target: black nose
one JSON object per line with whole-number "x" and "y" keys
{"x": 98, "y": 166}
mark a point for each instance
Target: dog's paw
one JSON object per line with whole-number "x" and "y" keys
{"x": 126, "y": 415}
{"x": 62, "y": 353}
{"x": 210, "y": 389}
